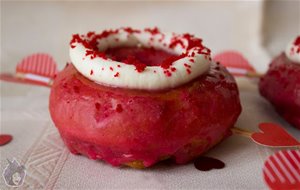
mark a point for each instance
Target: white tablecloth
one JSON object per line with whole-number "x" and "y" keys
{"x": 49, "y": 164}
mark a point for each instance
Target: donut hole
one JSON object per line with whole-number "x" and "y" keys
{"x": 146, "y": 55}
{"x": 136, "y": 47}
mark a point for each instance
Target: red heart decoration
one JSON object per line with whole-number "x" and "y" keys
{"x": 235, "y": 63}
{"x": 282, "y": 170}
{"x": 273, "y": 135}
{"x": 204, "y": 163}
{"x": 4, "y": 139}
{"x": 37, "y": 69}
{"x": 40, "y": 64}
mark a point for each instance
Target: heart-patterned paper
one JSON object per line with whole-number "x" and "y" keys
{"x": 273, "y": 135}
{"x": 235, "y": 63}
{"x": 282, "y": 170}
{"x": 5, "y": 139}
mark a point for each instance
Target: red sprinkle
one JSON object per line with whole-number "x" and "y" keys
{"x": 297, "y": 41}
{"x": 169, "y": 61}
{"x": 176, "y": 41}
{"x": 97, "y": 106}
{"x": 119, "y": 66}
{"x": 167, "y": 73}
{"x": 95, "y": 54}
{"x": 188, "y": 71}
{"x": 131, "y": 31}
{"x": 139, "y": 67}
{"x": 117, "y": 74}
{"x": 119, "y": 108}
{"x": 187, "y": 66}
{"x": 90, "y": 34}
{"x": 111, "y": 68}
{"x": 153, "y": 31}
{"x": 297, "y": 44}
{"x": 91, "y": 73}
{"x": 192, "y": 60}
{"x": 173, "y": 69}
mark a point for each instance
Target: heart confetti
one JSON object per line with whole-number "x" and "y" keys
{"x": 235, "y": 63}
{"x": 282, "y": 170}
{"x": 273, "y": 135}
{"x": 5, "y": 139}
{"x": 37, "y": 69}
{"x": 204, "y": 163}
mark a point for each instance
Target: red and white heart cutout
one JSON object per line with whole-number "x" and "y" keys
{"x": 38, "y": 69}
{"x": 282, "y": 170}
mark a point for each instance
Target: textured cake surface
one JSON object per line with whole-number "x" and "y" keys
{"x": 138, "y": 127}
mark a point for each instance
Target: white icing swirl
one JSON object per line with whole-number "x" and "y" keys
{"x": 118, "y": 74}
{"x": 292, "y": 51}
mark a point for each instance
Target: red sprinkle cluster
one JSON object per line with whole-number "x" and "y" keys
{"x": 152, "y": 31}
{"x": 95, "y": 54}
{"x": 91, "y": 44}
{"x": 131, "y": 31}
{"x": 297, "y": 44}
{"x": 78, "y": 39}
{"x": 176, "y": 41}
{"x": 166, "y": 64}
{"x": 139, "y": 66}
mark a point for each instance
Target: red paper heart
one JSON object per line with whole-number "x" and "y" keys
{"x": 282, "y": 170}
{"x": 273, "y": 135}
{"x": 40, "y": 64}
{"x": 204, "y": 163}
{"x": 4, "y": 139}
{"x": 235, "y": 63}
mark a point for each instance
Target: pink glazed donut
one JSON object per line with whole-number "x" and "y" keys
{"x": 281, "y": 84}
{"x": 136, "y": 97}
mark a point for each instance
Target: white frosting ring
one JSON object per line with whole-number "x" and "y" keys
{"x": 291, "y": 51}
{"x": 118, "y": 74}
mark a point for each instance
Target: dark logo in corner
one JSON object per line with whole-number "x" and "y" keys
{"x": 14, "y": 173}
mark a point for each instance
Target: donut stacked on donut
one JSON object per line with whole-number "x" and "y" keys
{"x": 281, "y": 84}
{"x": 136, "y": 97}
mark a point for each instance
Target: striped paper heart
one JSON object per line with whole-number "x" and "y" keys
{"x": 235, "y": 63}
{"x": 37, "y": 69}
{"x": 282, "y": 170}
{"x": 40, "y": 64}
